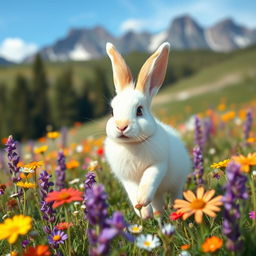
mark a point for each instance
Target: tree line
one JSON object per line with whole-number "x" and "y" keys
{"x": 32, "y": 105}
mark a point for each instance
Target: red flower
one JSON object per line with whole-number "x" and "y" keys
{"x": 64, "y": 196}
{"x": 100, "y": 151}
{"x": 176, "y": 215}
{"x": 63, "y": 225}
{"x": 40, "y": 250}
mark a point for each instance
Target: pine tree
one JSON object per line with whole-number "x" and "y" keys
{"x": 20, "y": 109}
{"x": 65, "y": 100}
{"x": 100, "y": 93}
{"x": 85, "y": 106}
{"x": 40, "y": 105}
{"x": 3, "y": 111}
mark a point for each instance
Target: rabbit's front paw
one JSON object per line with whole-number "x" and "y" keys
{"x": 144, "y": 197}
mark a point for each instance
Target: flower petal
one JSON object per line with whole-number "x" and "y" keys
{"x": 189, "y": 195}
{"x": 200, "y": 192}
{"x": 208, "y": 195}
{"x": 199, "y": 216}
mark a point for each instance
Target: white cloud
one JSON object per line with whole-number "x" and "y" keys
{"x": 15, "y": 49}
{"x": 133, "y": 24}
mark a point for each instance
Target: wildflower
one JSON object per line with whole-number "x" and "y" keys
{"x": 168, "y": 229}
{"x": 60, "y": 171}
{"x": 248, "y": 124}
{"x": 53, "y": 135}
{"x": 73, "y": 164}
{"x": 176, "y": 215}
{"x": 245, "y": 161}
{"x": 221, "y": 164}
{"x": 251, "y": 140}
{"x": 135, "y": 229}
{"x": 74, "y": 181}
{"x": 40, "y": 250}
{"x": 26, "y": 170}
{"x": 45, "y": 187}
{"x": 25, "y": 184}
{"x": 198, "y": 165}
{"x": 11, "y": 203}
{"x": 11, "y": 228}
{"x": 185, "y": 247}
{"x": 198, "y": 133}
{"x": 212, "y": 244}
{"x": 184, "y": 253}
{"x": 199, "y": 204}
{"x": 41, "y": 150}
{"x": 93, "y": 165}
{"x": 228, "y": 116}
{"x": 252, "y": 215}
{"x": 147, "y": 242}
{"x": 100, "y": 151}
{"x": 34, "y": 165}
{"x": 2, "y": 188}
{"x": 235, "y": 189}
{"x": 75, "y": 213}
{"x": 57, "y": 237}
{"x": 64, "y": 225}
{"x": 13, "y": 157}
{"x": 64, "y": 196}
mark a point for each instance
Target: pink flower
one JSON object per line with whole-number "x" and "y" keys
{"x": 252, "y": 215}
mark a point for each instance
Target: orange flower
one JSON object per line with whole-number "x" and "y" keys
{"x": 245, "y": 161}
{"x": 64, "y": 225}
{"x": 64, "y": 196}
{"x": 212, "y": 244}
{"x": 199, "y": 204}
{"x": 185, "y": 247}
{"x": 72, "y": 164}
{"x": 251, "y": 140}
{"x": 40, "y": 250}
{"x": 228, "y": 116}
{"x": 4, "y": 140}
{"x": 42, "y": 139}
{"x": 34, "y": 165}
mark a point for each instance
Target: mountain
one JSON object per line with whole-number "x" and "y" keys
{"x": 226, "y": 35}
{"x": 182, "y": 33}
{"x": 5, "y": 62}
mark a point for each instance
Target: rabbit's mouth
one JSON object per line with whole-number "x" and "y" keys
{"x": 123, "y": 137}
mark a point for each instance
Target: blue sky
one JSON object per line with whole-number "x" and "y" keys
{"x": 31, "y": 24}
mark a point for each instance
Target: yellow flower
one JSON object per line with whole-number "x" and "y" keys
{"x": 40, "y": 150}
{"x": 11, "y": 228}
{"x": 221, "y": 106}
{"x": 199, "y": 204}
{"x": 25, "y": 184}
{"x": 53, "y": 135}
{"x": 34, "y": 165}
{"x": 245, "y": 161}
{"x": 220, "y": 164}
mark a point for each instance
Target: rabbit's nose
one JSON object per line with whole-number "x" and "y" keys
{"x": 122, "y": 125}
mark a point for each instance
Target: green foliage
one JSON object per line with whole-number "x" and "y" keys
{"x": 64, "y": 100}
{"x": 40, "y": 104}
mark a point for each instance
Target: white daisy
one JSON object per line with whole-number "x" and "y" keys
{"x": 26, "y": 170}
{"x": 74, "y": 181}
{"x": 168, "y": 229}
{"x": 135, "y": 229}
{"x": 147, "y": 242}
{"x": 184, "y": 253}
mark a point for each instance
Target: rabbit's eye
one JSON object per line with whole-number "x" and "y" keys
{"x": 139, "y": 111}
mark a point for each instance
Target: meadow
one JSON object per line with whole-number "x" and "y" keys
{"x": 59, "y": 197}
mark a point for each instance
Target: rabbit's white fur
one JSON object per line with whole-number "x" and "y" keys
{"x": 149, "y": 159}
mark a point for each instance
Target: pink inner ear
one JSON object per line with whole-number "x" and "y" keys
{"x": 158, "y": 73}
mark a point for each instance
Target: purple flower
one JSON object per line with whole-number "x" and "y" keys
{"x": 60, "y": 171}
{"x": 25, "y": 243}
{"x": 57, "y": 237}
{"x": 207, "y": 130}
{"x": 198, "y": 165}
{"x": 90, "y": 180}
{"x": 102, "y": 229}
{"x": 45, "y": 187}
{"x": 198, "y": 133}
{"x": 235, "y": 189}
{"x": 252, "y": 215}
{"x": 13, "y": 157}
{"x": 248, "y": 124}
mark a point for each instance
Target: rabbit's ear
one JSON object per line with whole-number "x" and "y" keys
{"x": 153, "y": 71}
{"x": 121, "y": 72}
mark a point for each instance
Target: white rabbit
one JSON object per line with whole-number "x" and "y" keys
{"x": 146, "y": 155}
